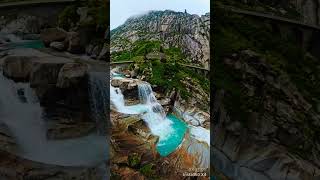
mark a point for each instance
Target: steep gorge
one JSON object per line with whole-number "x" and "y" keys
{"x": 266, "y": 103}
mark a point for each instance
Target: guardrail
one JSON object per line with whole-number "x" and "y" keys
{"x": 34, "y": 2}
{"x": 269, "y": 16}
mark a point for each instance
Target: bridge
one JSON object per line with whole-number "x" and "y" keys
{"x": 197, "y": 69}
{"x": 307, "y": 35}
{"x": 33, "y": 2}
{"x": 270, "y": 17}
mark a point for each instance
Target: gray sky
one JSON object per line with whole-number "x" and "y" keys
{"x": 121, "y": 10}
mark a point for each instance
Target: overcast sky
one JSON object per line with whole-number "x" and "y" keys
{"x": 121, "y": 10}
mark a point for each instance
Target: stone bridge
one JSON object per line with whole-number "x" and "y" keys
{"x": 199, "y": 70}
{"x": 307, "y": 35}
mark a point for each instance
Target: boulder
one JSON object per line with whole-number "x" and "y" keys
{"x": 95, "y": 52}
{"x": 104, "y": 53}
{"x": 71, "y": 74}
{"x": 18, "y": 68}
{"x": 46, "y": 71}
{"x": 57, "y": 46}
{"x": 63, "y": 129}
{"x": 74, "y": 43}
{"x": 7, "y": 142}
{"x": 53, "y": 34}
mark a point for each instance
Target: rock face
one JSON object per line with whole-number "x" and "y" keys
{"x": 17, "y": 67}
{"x": 61, "y": 86}
{"x": 129, "y": 87}
{"x": 134, "y": 154}
{"x": 272, "y": 142}
{"x": 27, "y": 24}
{"x": 16, "y": 168}
{"x": 70, "y": 74}
{"x": 53, "y": 34}
{"x": 57, "y": 46}
{"x": 182, "y": 30}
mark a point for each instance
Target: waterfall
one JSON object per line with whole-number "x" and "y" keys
{"x": 20, "y": 110}
{"x": 155, "y": 115}
{"x": 99, "y": 99}
{"x": 147, "y": 97}
{"x": 117, "y": 100}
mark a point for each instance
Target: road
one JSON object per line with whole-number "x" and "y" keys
{"x": 33, "y": 2}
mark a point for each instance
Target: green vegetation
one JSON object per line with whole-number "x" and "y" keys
{"x": 134, "y": 160}
{"x": 68, "y": 17}
{"x": 98, "y": 10}
{"x": 167, "y": 73}
{"x": 148, "y": 170}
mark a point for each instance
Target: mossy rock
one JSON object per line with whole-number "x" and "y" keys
{"x": 148, "y": 170}
{"x": 134, "y": 160}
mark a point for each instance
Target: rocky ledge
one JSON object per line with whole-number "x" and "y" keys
{"x": 58, "y": 82}
{"x": 16, "y": 168}
{"x": 133, "y": 152}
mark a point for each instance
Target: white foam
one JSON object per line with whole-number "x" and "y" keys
{"x": 200, "y": 133}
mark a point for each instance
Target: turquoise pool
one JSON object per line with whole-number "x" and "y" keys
{"x": 36, "y": 44}
{"x": 170, "y": 144}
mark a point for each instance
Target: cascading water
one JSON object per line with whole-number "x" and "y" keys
{"x": 99, "y": 99}
{"x": 169, "y": 129}
{"x": 22, "y": 113}
{"x": 155, "y": 115}
{"x": 147, "y": 97}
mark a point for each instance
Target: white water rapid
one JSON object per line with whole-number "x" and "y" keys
{"x": 22, "y": 113}
{"x": 149, "y": 108}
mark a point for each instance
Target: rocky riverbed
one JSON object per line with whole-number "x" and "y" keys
{"x": 47, "y": 117}
{"x": 135, "y": 135}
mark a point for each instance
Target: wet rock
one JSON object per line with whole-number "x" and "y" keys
{"x": 17, "y": 168}
{"x": 57, "y": 46}
{"x": 46, "y": 71}
{"x": 18, "y": 67}
{"x": 53, "y": 34}
{"x": 7, "y": 141}
{"x": 104, "y": 53}
{"x": 74, "y": 43}
{"x": 71, "y": 74}
{"x": 128, "y": 173}
{"x": 95, "y": 52}
{"x": 66, "y": 129}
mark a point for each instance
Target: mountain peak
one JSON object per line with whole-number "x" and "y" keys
{"x": 181, "y": 30}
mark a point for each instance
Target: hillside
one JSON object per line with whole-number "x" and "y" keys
{"x": 190, "y": 33}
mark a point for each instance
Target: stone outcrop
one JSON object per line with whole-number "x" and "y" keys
{"x": 57, "y": 46}
{"x": 176, "y": 29}
{"x": 58, "y": 82}
{"x": 133, "y": 150}
{"x": 27, "y": 24}
{"x": 273, "y": 141}
{"x": 53, "y": 34}
{"x": 16, "y": 168}
{"x": 71, "y": 74}
{"x": 128, "y": 87}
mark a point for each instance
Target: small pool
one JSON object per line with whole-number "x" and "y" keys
{"x": 35, "y": 44}
{"x": 174, "y": 139}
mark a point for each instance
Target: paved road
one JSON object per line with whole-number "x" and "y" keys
{"x": 32, "y": 2}
{"x": 271, "y": 17}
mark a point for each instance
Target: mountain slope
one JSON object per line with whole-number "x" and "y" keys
{"x": 188, "y": 32}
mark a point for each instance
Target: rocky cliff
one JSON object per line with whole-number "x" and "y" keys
{"x": 175, "y": 29}
{"x": 266, "y": 103}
